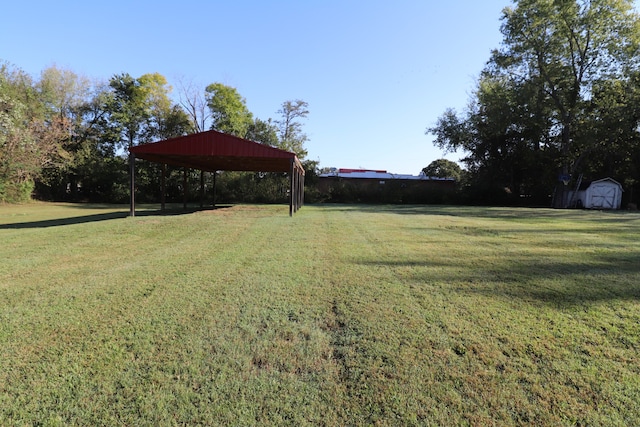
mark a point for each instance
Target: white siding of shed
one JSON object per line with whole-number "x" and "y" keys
{"x": 601, "y": 194}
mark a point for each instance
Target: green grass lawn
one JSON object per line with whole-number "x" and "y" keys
{"x": 340, "y": 315}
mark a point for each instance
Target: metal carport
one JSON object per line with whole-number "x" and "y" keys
{"x": 213, "y": 151}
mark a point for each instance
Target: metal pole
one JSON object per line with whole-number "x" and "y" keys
{"x": 291, "y": 188}
{"x": 302, "y": 192}
{"x": 132, "y": 182}
{"x": 297, "y": 188}
{"x": 201, "y": 189}
{"x": 163, "y": 187}
{"x": 215, "y": 173}
{"x": 184, "y": 189}
{"x": 300, "y": 189}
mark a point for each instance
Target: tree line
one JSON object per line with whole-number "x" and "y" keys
{"x": 65, "y": 137}
{"x": 557, "y": 101}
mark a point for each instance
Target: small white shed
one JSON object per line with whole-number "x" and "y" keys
{"x": 604, "y": 193}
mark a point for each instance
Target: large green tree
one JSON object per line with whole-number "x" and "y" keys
{"x": 532, "y": 100}
{"x": 64, "y": 96}
{"x": 140, "y": 110}
{"x": 502, "y": 134}
{"x": 129, "y": 112}
{"x": 63, "y": 92}
{"x": 264, "y": 132}
{"x": 443, "y": 168}
{"x": 229, "y": 112}
{"x": 613, "y": 120}
{"x": 565, "y": 47}
{"x": 32, "y": 135}
{"x": 20, "y": 156}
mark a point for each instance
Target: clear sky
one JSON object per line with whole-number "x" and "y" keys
{"x": 376, "y": 73}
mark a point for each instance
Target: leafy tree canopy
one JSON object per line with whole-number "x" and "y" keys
{"x": 443, "y": 168}
{"x": 64, "y": 136}
{"x": 531, "y": 117}
{"x": 264, "y": 132}
{"x": 229, "y": 112}
{"x": 30, "y": 140}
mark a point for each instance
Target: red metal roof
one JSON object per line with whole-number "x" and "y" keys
{"x": 213, "y": 151}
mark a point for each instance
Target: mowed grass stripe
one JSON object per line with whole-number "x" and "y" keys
{"x": 199, "y": 292}
{"x": 340, "y": 315}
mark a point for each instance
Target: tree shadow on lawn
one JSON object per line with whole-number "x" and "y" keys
{"x": 625, "y": 232}
{"x": 515, "y": 213}
{"x": 83, "y": 219}
{"x": 558, "y": 283}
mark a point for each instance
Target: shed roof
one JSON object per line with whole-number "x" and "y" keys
{"x": 213, "y": 151}
{"x": 586, "y": 184}
{"x": 611, "y": 180}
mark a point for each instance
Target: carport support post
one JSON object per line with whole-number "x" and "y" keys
{"x": 201, "y": 189}
{"x": 291, "y": 186}
{"x": 302, "y": 192}
{"x": 184, "y": 189}
{"x": 163, "y": 186}
{"x": 215, "y": 173}
{"x": 132, "y": 182}
{"x": 296, "y": 205}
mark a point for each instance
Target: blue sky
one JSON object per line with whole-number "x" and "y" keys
{"x": 375, "y": 73}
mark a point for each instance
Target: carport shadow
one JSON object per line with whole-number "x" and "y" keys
{"x": 83, "y": 219}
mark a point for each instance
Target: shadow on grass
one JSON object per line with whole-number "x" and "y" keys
{"x": 483, "y": 211}
{"x": 83, "y": 219}
{"x": 558, "y": 283}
